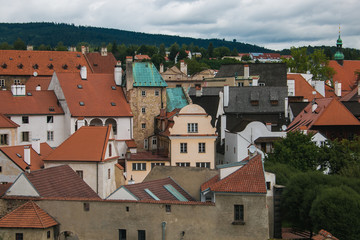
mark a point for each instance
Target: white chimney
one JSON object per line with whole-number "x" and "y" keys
{"x": 268, "y": 126}
{"x": 246, "y": 71}
{"x": 38, "y": 87}
{"x": 226, "y": 96}
{"x": 35, "y": 144}
{"x": 314, "y": 107}
{"x": 338, "y": 89}
{"x": 118, "y": 73}
{"x": 161, "y": 68}
{"x": 286, "y": 107}
{"x": 183, "y": 67}
{"x": 27, "y": 155}
{"x": 131, "y": 181}
{"x": 21, "y": 90}
{"x": 14, "y": 90}
{"x": 29, "y": 47}
{"x": 103, "y": 51}
{"x": 83, "y": 73}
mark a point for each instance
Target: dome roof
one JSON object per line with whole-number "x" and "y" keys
{"x": 339, "y": 41}
{"x": 339, "y": 56}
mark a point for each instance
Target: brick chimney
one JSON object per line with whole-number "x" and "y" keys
{"x": 183, "y": 67}
{"x": 104, "y": 51}
{"x": 83, "y": 73}
{"x": 246, "y": 71}
{"x": 27, "y": 159}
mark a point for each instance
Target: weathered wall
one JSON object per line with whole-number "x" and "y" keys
{"x": 10, "y": 170}
{"x": 28, "y": 234}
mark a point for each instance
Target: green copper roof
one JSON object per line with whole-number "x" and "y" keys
{"x": 146, "y": 75}
{"x": 339, "y": 56}
{"x": 175, "y": 98}
{"x": 339, "y": 41}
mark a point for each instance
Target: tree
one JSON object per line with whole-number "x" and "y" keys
{"x": 162, "y": 50}
{"x": 5, "y": 46}
{"x": 234, "y": 52}
{"x": 210, "y": 50}
{"x": 194, "y": 66}
{"x": 174, "y": 49}
{"x": 19, "y": 44}
{"x": 246, "y": 58}
{"x": 157, "y": 59}
{"x": 60, "y": 47}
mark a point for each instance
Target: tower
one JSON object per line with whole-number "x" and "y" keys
{"x": 339, "y": 56}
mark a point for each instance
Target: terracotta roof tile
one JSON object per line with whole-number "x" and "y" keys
{"x": 96, "y": 93}
{"x": 119, "y": 166}
{"x": 101, "y": 64}
{"x": 303, "y": 88}
{"x": 4, "y": 187}
{"x": 248, "y": 179}
{"x": 60, "y": 181}
{"x": 42, "y": 62}
{"x": 16, "y": 154}
{"x": 41, "y": 81}
{"x": 324, "y": 235}
{"x": 28, "y": 215}
{"x": 142, "y": 57}
{"x": 149, "y": 155}
{"x": 6, "y": 122}
{"x": 345, "y": 74}
{"x": 41, "y": 102}
{"x": 130, "y": 143}
{"x": 45, "y": 149}
{"x": 87, "y": 144}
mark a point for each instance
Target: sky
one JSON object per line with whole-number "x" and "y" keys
{"x": 274, "y": 24}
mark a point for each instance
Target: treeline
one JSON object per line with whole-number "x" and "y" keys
{"x": 322, "y": 184}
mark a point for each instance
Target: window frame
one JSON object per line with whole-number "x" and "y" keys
{"x": 143, "y": 125}
{"x": 50, "y": 119}
{"x": 183, "y": 164}
{"x": 239, "y": 214}
{"x": 202, "y": 147}
{"x": 122, "y": 234}
{"x": 139, "y": 166}
{"x": 143, "y": 110}
{"x": 183, "y": 147}
{"x": 19, "y": 236}
{"x": 143, "y": 93}
{"x": 2, "y": 83}
{"x": 157, "y": 93}
{"x": 80, "y": 173}
{"x": 157, "y": 164}
{"x": 203, "y": 164}
{"x": 4, "y": 139}
{"x": 141, "y": 235}
{"x": 25, "y": 119}
{"x": 193, "y": 128}
{"x": 25, "y": 136}
{"x": 50, "y": 136}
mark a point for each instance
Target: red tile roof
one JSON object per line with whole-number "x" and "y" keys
{"x": 130, "y": 143}
{"x": 60, "y": 181}
{"x": 6, "y": 122}
{"x": 142, "y": 57}
{"x": 4, "y": 187}
{"x": 329, "y": 92}
{"x": 45, "y": 149}
{"x": 28, "y": 215}
{"x": 96, "y": 93}
{"x": 20, "y": 62}
{"x": 351, "y": 96}
{"x": 16, "y": 154}
{"x": 33, "y": 82}
{"x": 88, "y": 144}
{"x": 119, "y": 166}
{"x": 101, "y": 64}
{"x": 328, "y": 112}
{"x": 345, "y": 74}
{"x": 324, "y": 235}
{"x": 158, "y": 189}
{"x": 41, "y": 102}
{"x": 303, "y": 88}
{"x": 248, "y": 179}
{"x": 149, "y": 155}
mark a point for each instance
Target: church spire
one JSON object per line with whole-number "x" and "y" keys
{"x": 339, "y": 56}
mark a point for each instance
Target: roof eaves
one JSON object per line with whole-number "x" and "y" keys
{"x": 108, "y": 130}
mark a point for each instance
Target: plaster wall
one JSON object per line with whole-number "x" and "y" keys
{"x": 12, "y": 135}
{"x": 9, "y": 170}
{"x": 28, "y": 234}
{"x": 139, "y": 175}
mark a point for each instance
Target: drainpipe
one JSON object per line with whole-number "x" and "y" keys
{"x": 163, "y": 224}
{"x": 97, "y": 178}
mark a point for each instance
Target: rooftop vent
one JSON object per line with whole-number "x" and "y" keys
{"x": 65, "y": 66}
{"x": 18, "y": 155}
{"x": 35, "y": 66}
{"x": 113, "y": 87}
{"x": 113, "y": 104}
{"x": 50, "y": 66}
{"x": 51, "y": 109}
{"x": 4, "y": 65}
{"x": 78, "y": 66}
{"x": 20, "y": 66}
{"x": 29, "y": 94}
{"x": 79, "y": 86}
{"x": 78, "y": 55}
{"x": 82, "y": 103}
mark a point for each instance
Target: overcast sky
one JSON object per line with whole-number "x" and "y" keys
{"x": 275, "y": 24}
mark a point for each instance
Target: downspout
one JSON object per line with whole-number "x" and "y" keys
{"x": 162, "y": 104}
{"x": 163, "y": 224}
{"x": 97, "y": 178}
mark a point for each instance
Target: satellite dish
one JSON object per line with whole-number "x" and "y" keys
{"x": 283, "y": 127}
{"x": 252, "y": 149}
{"x": 35, "y": 74}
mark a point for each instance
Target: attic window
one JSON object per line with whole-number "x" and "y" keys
{"x": 95, "y": 64}
{"x": 29, "y": 94}
{"x": 78, "y": 66}
{"x": 113, "y": 87}
{"x": 50, "y": 59}
{"x": 51, "y": 109}
{"x": 82, "y": 103}
{"x": 254, "y": 102}
{"x": 79, "y": 86}
{"x": 4, "y": 65}
{"x": 274, "y": 102}
{"x": 65, "y": 66}
{"x": 78, "y": 55}
{"x": 18, "y": 155}
{"x": 20, "y": 66}
{"x": 50, "y": 66}
{"x": 35, "y": 66}
{"x": 113, "y": 104}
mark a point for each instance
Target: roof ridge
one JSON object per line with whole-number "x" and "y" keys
{"x": 37, "y": 214}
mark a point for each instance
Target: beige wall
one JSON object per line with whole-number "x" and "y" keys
{"x": 139, "y": 175}
{"x": 10, "y": 170}
{"x": 28, "y": 234}
{"x": 9, "y": 80}
{"x": 12, "y": 135}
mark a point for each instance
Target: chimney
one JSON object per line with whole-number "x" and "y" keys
{"x": 268, "y": 126}
{"x": 183, "y": 67}
{"x": 198, "y": 91}
{"x": 338, "y": 89}
{"x": 118, "y": 73}
{"x": 161, "y": 68}
{"x": 72, "y": 49}
{"x": 129, "y": 73}
{"x": 131, "y": 181}
{"x": 104, "y": 51}
{"x": 29, "y": 47}
{"x": 286, "y": 107}
{"x": 246, "y": 71}
{"x": 38, "y": 87}
{"x": 83, "y": 73}
{"x": 313, "y": 106}
{"x": 226, "y": 96}
{"x": 129, "y": 59}
{"x": 83, "y": 49}
{"x": 35, "y": 144}
{"x": 27, "y": 155}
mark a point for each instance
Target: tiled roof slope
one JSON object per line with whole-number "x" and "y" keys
{"x": 41, "y": 81}
{"x": 60, "y": 181}
{"x": 101, "y": 64}
{"x": 96, "y": 94}
{"x": 6, "y": 122}
{"x": 41, "y": 102}
{"x": 45, "y": 149}
{"x": 328, "y": 112}
{"x": 248, "y": 179}
{"x": 157, "y": 188}
{"x": 12, "y": 151}
{"x": 87, "y": 144}
{"x": 146, "y": 75}
{"x": 175, "y": 98}
{"x": 303, "y": 88}
{"x": 28, "y": 215}
{"x": 345, "y": 74}
{"x": 42, "y": 62}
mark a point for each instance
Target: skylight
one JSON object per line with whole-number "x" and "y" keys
{"x": 18, "y": 155}
{"x": 79, "y": 86}
{"x": 175, "y": 193}
{"x": 82, "y": 103}
{"x": 113, "y": 104}
{"x": 151, "y": 194}
{"x": 113, "y": 87}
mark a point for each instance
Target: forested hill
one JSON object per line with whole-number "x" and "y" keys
{"x": 52, "y": 33}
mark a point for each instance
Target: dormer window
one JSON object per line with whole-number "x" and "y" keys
{"x": 50, "y": 66}
{"x": 64, "y": 66}
{"x": 82, "y": 103}
{"x": 4, "y": 65}
{"x": 192, "y": 127}
{"x": 20, "y": 66}
{"x": 78, "y": 66}
{"x": 35, "y": 66}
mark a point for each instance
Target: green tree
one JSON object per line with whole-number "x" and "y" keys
{"x": 234, "y": 52}
{"x": 300, "y": 60}
{"x": 246, "y": 58}
{"x": 5, "y": 46}
{"x": 174, "y": 49}
{"x": 44, "y": 47}
{"x": 162, "y": 50}
{"x": 210, "y": 50}
{"x": 19, "y": 44}
{"x": 60, "y": 47}
{"x": 282, "y": 171}
{"x": 319, "y": 65}
{"x": 157, "y": 59}
{"x": 194, "y": 66}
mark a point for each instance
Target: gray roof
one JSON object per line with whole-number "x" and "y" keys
{"x": 272, "y": 74}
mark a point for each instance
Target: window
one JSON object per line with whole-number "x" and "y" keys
{"x": 122, "y": 234}
{"x": 201, "y": 147}
{"x": 168, "y": 208}
{"x": 261, "y": 84}
{"x": 238, "y": 214}
{"x": 192, "y": 127}
{"x": 48, "y": 234}
{"x": 50, "y": 135}
{"x": 254, "y": 102}
{"x": 110, "y": 150}
{"x": 143, "y": 110}
{"x": 86, "y": 206}
{"x": 157, "y": 164}
{"x": 19, "y": 236}
{"x": 2, "y": 82}
{"x": 268, "y": 185}
{"x": 178, "y": 85}
{"x": 274, "y": 102}
{"x": 203, "y": 164}
{"x": 157, "y": 93}
{"x": 0, "y": 168}
{"x": 143, "y": 93}
{"x": 25, "y": 136}
{"x": 141, "y": 235}
{"x": 109, "y": 173}
{"x": 127, "y": 209}
{"x": 25, "y": 119}
{"x": 146, "y": 143}
{"x": 143, "y": 125}
{"x": 50, "y": 119}
{"x": 80, "y": 173}
{"x": 154, "y": 140}
{"x": 183, "y": 164}
{"x": 183, "y": 147}
{"x": 240, "y": 84}
{"x": 139, "y": 166}
{"x": 4, "y": 139}
{"x": 16, "y": 81}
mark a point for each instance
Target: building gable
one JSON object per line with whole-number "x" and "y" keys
{"x": 22, "y": 187}
{"x": 122, "y": 194}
